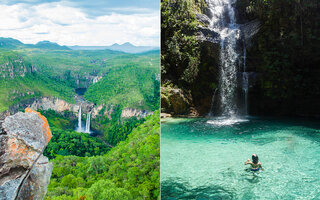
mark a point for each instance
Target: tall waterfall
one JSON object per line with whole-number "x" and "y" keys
{"x": 95, "y": 79}
{"x": 245, "y": 80}
{"x": 88, "y": 123}
{"x": 223, "y": 22}
{"x": 79, "y": 121}
{"x": 81, "y": 129}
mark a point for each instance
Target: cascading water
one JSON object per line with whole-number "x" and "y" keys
{"x": 223, "y": 23}
{"x": 95, "y": 79}
{"x": 88, "y": 123}
{"x": 212, "y": 102}
{"x": 79, "y": 129}
{"x": 245, "y": 80}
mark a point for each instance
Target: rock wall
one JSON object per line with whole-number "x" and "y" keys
{"x": 132, "y": 112}
{"x": 53, "y": 103}
{"x": 177, "y": 102}
{"x": 23, "y": 138}
{"x": 15, "y": 67}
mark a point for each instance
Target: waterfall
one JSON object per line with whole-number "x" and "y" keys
{"x": 80, "y": 129}
{"x": 212, "y": 102}
{"x": 95, "y": 79}
{"x": 79, "y": 121}
{"x": 88, "y": 123}
{"x": 245, "y": 79}
{"x": 223, "y": 23}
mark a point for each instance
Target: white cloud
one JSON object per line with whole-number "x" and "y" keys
{"x": 71, "y": 26}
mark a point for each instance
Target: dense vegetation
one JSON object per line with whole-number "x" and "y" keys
{"x": 285, "y": 53}
{"x": 59, "y": 120}
{"x": 65, "y": 141}
{"x": 186, "y": 62}
{"x": 128, "y": 86}
{"x": 123, "y": 162}
{"x": 128, "y": 171}
{"x": 51, "y": 70}
{"x": 179, "y": 48}
{"x": 73, "y": 143}
{"x": 116, "y": 129}
{"x": 13, "y": 91}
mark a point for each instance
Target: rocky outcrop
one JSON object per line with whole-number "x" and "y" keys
{"x": 132, "y": 112}
{"x": 24, "y": 171}
{"x": 204, "y": 33}
{"x": 51, "y": 103}
{"x": 175, "y": 101}
{"x": 55, "y": 104}
{"x": 15, "y": 67}
{"x": 103, "y": 109}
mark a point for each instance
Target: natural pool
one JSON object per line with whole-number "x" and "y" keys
{"x": 204, "y": 159}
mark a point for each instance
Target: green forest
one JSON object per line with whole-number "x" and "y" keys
{"x": 31, "y": 71}
{"x": 121, "y": 160}
{"x": 128, "y": 171}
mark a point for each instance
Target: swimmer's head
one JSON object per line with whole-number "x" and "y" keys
{"x": 255, "y": 159}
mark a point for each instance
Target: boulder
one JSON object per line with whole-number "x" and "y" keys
{"x": 204, "y": 19}
{"x": 23, "y": 139}
{"x": 205, "y": 34}
{"x": 175, "y": 101}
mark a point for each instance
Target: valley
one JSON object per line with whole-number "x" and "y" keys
{"x": 97, "y": 102}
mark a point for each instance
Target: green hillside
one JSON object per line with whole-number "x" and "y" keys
{"x": 128, "y": 86}
{"x": 128, "y": 171}
{"x": 12, "y": 91}
{"x": 47, "y": 69}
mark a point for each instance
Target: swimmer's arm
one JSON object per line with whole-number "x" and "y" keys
{"x": 248, "y": 162}
{"x": 260, "y": 165}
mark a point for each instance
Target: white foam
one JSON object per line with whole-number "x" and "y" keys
{"x": 226, "y": 121}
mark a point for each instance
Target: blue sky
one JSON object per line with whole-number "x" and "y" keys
{"x": 82, "y": 22}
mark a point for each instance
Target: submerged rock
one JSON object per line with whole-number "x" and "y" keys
{"x": 23, "y": 139}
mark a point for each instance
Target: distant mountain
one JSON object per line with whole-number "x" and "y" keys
{"x": 126, "y": 47}
{"x": 50, "y": 45}
{"x": 10, "y": 43}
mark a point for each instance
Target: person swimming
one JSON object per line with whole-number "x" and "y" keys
{"x": 255, "y": 164}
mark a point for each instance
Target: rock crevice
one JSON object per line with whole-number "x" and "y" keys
{"x": 24, "y": 137}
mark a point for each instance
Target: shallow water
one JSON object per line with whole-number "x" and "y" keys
{"x": 204, "y": 159}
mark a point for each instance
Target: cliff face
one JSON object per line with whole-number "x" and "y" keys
{"x": 14, "y": 67}
{"x": 131, "y": 112}
{"x": 24, "y": 171}
{"x": 59, "y": 105}
{"x": 51, "y": 103}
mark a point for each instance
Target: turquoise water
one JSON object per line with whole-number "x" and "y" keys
{"x": 204, "y": 159}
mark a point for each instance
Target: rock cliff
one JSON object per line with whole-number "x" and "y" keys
{"x": 15, "y": 67}
{"x": 131, "y": 112}
{"x": 24, "y": 171}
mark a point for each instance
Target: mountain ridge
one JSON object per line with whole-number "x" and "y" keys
{"x": 126, "y": 47}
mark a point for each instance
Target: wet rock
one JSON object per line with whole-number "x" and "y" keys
{"x": 248, "y": 30}
{"x": 205, "y": 34}
{"x": 165, "y": 115}
{"x": 23, "y": 139}
{"x": 204, "y": 19}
